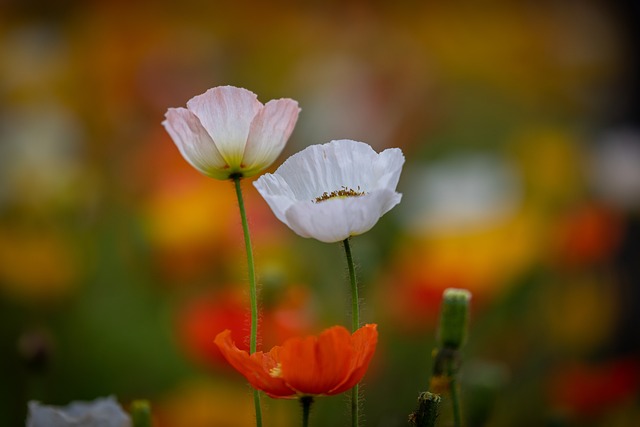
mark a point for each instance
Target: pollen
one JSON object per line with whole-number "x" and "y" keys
{"x": 342, "y": 193}
{"x": 276, "y": 372}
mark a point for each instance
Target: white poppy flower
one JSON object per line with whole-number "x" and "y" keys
{"x": 227, "y": 132}
{"x": 102, "y": 412}
{"x": 333, "y": 191}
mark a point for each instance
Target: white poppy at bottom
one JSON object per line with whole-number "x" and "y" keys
{"x": 333, "y": 191}
{"x": 102, "y": 412}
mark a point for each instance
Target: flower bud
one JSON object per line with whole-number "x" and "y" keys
{"x": 141, "y": 413}
{"x": 454, "y": 318}
{"x": 428, "y": 410}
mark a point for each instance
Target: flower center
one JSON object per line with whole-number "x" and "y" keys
{"x": 342, "y": 193}
{"x": 276, "y": 372}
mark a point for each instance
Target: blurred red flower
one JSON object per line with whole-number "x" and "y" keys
{"x": 591, "y": 390}
{"x": 329, "y": 364}
{"x": 586, "y": 236}
{"x": 201, "y": 319}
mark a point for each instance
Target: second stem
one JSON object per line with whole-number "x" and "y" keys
{"x": 355, "y": 324}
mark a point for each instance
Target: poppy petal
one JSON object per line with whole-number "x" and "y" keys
{"x": 268, "y": 134}
{"x": 336, "y": 219}
{"x": 226, "y": 113}
{"x": 193, "y": 142}
{"x": 316, "y": 365}
{"x": 323, "y": 169}
{"x": 255, "y": 368}
{"x": 363, "y": 344}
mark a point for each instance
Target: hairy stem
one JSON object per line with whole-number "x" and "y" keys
{"x": 253, "y": 292}
{"x": 355, "y": 324}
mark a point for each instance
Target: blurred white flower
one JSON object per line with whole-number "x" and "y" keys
{"x": 461, "y": 193}
{"x": 41, "y": 154}
{"x": 333, "y": 191}
{"x": 102, "y": 412}
{"x": 615, "y": 168}
{"x": 226, "y": 131}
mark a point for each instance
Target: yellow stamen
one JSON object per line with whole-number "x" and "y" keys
{"x": 276, "y": 372}
{"x": 339, "y": 194}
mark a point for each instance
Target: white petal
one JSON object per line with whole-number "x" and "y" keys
{"x": 226, "y": 113}
{"x": 292, "y": 189}
{"x": 194, "y": 143}
{"x": 329, "y": 167}
{"x": 268, "y": 134}
{"x": 276, "y": 193}
{"x": 102, "y": 412}
{"x": 388, "y": 166}
{"x": 337, "y": 219}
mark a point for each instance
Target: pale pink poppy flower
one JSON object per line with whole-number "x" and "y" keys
{"x": 226, "y": 132}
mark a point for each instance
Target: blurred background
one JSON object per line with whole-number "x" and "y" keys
{"x": 119, "y": 263}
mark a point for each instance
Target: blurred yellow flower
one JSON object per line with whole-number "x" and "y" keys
{"x": 36, "y": 265}
{"x": 202, "y": 403}
{"x": 483, "y": 260}
{"x": 579, "y": 313}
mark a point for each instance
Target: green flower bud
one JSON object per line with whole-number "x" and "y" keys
{"x": 454, "y": 318}
{"x": 141, "y": 413}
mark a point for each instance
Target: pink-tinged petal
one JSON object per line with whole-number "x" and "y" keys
{"x": 194, "y": 143}
{"x": 226, "y": 112}
{"x": 269, "y": 132}
{"x": 255, "y": 368}
{"x": 363, "y": 345}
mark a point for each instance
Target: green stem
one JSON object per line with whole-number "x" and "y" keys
{"x": 453, "y": 390}
{"x": 253, "y": 293}
{"x": 355, "y": 324}
{"x": 355, "y": 309}
{"x": 256, "y": 404}
{"x": 306, "y": 402}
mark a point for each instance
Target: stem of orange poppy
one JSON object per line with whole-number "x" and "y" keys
{"x": 306, "y": 402}
{"x": 355, "y": 324}
{"x": 253, "y": 292}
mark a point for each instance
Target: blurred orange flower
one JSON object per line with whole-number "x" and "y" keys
{"x": 328, "y": 364}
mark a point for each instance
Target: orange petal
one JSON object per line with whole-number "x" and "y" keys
{"x": 363, "y": 344}
{"x": 316, "y": 365}
{"x": 254, "y": 368}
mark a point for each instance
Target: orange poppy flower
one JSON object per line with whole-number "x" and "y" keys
{"x": 331, "y": 363}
